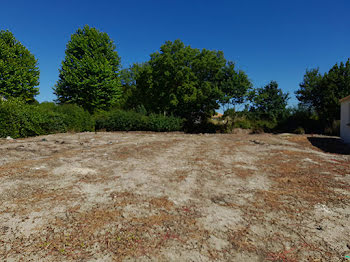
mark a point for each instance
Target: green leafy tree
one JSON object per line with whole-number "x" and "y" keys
{"x": 321, "y": 93}
{"x": 19, "y": 72}
{"x": 308, "y": 94}
{"x": 89, "y": 74}
{"x": 131, "y": 98}
{"x": 235, "y": 86}
{"x": 185, "y": 81}
{"x": 270, "y": 102}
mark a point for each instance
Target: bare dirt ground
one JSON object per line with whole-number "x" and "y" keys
{"x": 174, "y": 197}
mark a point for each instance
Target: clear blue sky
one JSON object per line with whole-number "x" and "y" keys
{"x": 269, "y": 40}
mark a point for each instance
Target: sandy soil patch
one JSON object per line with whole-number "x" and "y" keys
{"x": 174, "y": 197}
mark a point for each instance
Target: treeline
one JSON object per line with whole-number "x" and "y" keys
{"x": 179, "y": 88}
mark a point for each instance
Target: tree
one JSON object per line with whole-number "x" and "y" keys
{"x": 184, "y": 81}
{"x": 270, "y": 102}
{"x": 19, "y": 72}
{"x": 131, "y": 98}
{"x": 321, "y": 93}
{"x": 307, "y": 94}
{"x": 89, "y": 74}
{"x": 235, "y": 86}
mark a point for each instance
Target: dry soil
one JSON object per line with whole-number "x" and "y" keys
{"x": 174, "y": 197}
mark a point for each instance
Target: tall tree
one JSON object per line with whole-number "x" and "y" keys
{"x": 235, "y": 86}
{"x": 185, "y": 81}
{"x": 89, "y": 73}
{"x": 132, "y": 99}
{"x": 270, "y": 102}
{"x": 308, "y": 94}
{"x": 321, "y": 93}
{"x": 19, "y": 72}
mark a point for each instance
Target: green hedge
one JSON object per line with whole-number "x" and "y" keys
{"x": 18, "y": 119}
{"x": 75, "y": 118}
{"x": 119, "y": 120}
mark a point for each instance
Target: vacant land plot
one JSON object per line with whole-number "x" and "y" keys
{"x": 174, "y": 197}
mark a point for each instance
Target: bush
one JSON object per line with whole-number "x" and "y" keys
{"x": 162, "y": 123}
{"x": 243, "y": 123}
{"x": 206, "y": 126}
{"x": 18, "y": 119}
{"x": 301, "y": 118}
{"x": 333, "y": 130}
{"x": 119, "y": 120}
{"x": 76, "y": 118}
{"x": 265, "y": 125}
{"x": 299, "y": 131}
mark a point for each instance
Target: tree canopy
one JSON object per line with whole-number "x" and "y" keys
{"x": 89, "y": 73}
{"x": 187, "y": 82}
{"x": 321, "y": 93}
{"x": 235, "y": 86}
{"x": 270, "y": 102}
{"x": 19, "y": 72}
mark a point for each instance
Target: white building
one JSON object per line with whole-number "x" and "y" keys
{"x": 345, "y": 119}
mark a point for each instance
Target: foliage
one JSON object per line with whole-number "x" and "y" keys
{"x": 184, "y": 81}
{"x": 207, "y": 126}
{"x": 89, "y": 74}
{"x": 18, "y": 119}
{"x": 235, "y": 86}
{"x": 270, "y": 102}
{"x": 119, "y": 120}
{"x": 19, "y": 72}
{"x": 161, "y": 123}
{"x": 333, "y": 129}
{"x": 300, "y": 117}
{"x": 308, "y": 94}
{"x": 243, "y": 123}
{"x": 75, "y": 118}
{"x": 299, "y": 130}
{"x": 321, "y": 93}
{"x": 131, "y": 99}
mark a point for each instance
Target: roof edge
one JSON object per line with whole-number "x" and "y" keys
{"x": 344, "y": 99}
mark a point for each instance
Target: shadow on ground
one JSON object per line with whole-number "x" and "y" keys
{"x": 330, "y": 145}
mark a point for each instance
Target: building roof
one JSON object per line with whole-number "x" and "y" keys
{"x": 217, "y": 115}
{"x": 344, "y": 99}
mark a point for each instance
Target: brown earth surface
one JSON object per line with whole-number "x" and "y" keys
{"x": 174, "y": 197}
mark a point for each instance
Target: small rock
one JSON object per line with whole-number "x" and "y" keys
{"x": 44, "y": 139}
{"x": 319, "y": 228}
{"x": 257, "y": 142}
{"x": 9, "y": 138}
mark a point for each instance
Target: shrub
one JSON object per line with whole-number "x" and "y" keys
{"x": 18, "y": 119}
{"x": 205, "y": 126}
{"x": 333, "y": 130}
{"x": 75, "y": 118}
{"x": 162, "y": 123}
{"x": 260, "y": 126}
{"x": 243, "y": 123}
{"x": 119, "y": 120}
{"x": 299, "y": 130}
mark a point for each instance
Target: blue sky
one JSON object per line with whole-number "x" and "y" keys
{"x": 269, "y": 40}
